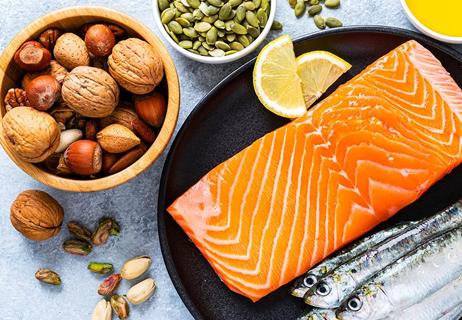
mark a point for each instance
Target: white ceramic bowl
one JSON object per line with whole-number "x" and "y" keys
{"x": 216, "y": 60}
{"x": 427, "y": 31}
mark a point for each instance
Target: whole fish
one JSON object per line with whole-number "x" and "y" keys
{"x": 407, "y": 281}
{"x": 338, "y": 285}
{"x": 435, "y": 306}
{"x": 309, "y": 279}
{"x": 454, "y": 314}
{"x": 319, "y": 314}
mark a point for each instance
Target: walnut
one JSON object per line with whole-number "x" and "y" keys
{"x": 16, "y": 97}
{"x": 136, "y": 66}
{"x": 91, "y": 92}
{"x": 36, "y": 214}
{"x": 70, "y": 51}
{"x": 31, "y": 134}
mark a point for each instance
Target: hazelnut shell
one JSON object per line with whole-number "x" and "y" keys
{"x": 84, "y": 157}
{"x": 42, "y": 92}
{"x": 32, "y": 56}
{"x": 151, "y": 108}
{"x": 99, "y": 40}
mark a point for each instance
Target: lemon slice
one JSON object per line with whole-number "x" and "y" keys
{"x": 318, "y": 70}
{"x": 275, "y": 79}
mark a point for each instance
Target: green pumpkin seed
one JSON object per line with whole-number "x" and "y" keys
{"x": 313, "y": 2}
{"x": 190, "y": 32}
{"x": 230, "y": 37}
{"x": 206, "y": 46}
{"x": 203, "y": 51}
{"x": 235, "y": 3}
{"x": 250, "y": 38}
{"x": 240, "y": 13}
{"x": 186, "y": 44}
{"x": 183, "y": 22}
{"x": 292, "y": 3}
{"x": 212, "y": 10}
{"x": 180, "y": 7}
{"x": 193, "y": 51}
{"x": 257, "y": 3}
{"x": 225, "y": 12}
{"x": 264, "y": 4}
{"x": 250, "y": 6}
{"x": 300, "y": 8}
{"x": 188, "y": 16}
{"x": 202, "y": 26}
{"x": 243, "y": 40}
{"x": 217, "y": 53}
{"x": 185, "y": 3}
{"x": 262, "y": 17}
{"x": 252, "y": 19}
{"x": 194, "y": 3}
{"x": 198, "y": 15}
{"x": 228, "y": 25}
{"x": 172, "y": 35}
{"x": 210, "y": 19}
{"x": 238, "y": 28}
{"x": 167, "y": 15}
{"x": 314, "y": 10}
{"x": 333, "y": 4}
{"x": 319, "y": 22}
{"x": 163, "y": 4}
{"x": 204, "y": 8}
{"x": 219, "y": 24}
{"x": 212, "y": 35}
{"x": 221, "y": 34}
{"x": 276, "y": 25}
{"x": 333, "y": 22}
{"x": 232, "y": 15}
{"x": 254, "y": 32}
{"x": 175, "y": 27}
{"x": 196, "y": 44}
{"x": 227, "y": 53}
{"x": 236, "y": 46}
{"x": 222, "y": 45}
{"x": 216, "y": 3}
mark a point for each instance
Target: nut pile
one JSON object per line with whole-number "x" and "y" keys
{"x": 314, "y": 10}
{"x": 87, "y": 107}
{"x": 214, "y": 27}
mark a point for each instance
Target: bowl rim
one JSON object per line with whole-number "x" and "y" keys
{"x": 216, "y": 60}
{"x": 426, "y": 30}
{"x": 173, "y": 103}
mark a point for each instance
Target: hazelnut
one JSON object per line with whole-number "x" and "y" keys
{"x": 151, "y": 108}
{"x": 116, "y": 138}
{"x": 99, "y": 40}
{"x": 33, "y": 135}
{"x": 36, "y": 214}
{"x": 49, "y": 37}
{"x": 70, "y": 51}
{"x": 43, "y": 92}
{"x": 121, "y": 115}
{"x": 116, "y": 30}
{"x": 108, "y": 161}
{"x": 144, "y": 131}
{"x": 128, "y": 158}
{"x": 32, "y": 56}
{"x": 84, "y": 157}
{"x": 136, "y": 66}
{"x": 91, "y": 92}
{"x": 16, "y": 97}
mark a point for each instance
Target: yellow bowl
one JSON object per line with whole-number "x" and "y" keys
{"x": 72, "y": 19}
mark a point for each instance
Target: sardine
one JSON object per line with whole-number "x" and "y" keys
{"x": 319, "y": 314}
{"x": 338, "y": 285}
{"x": 407, "y": 281}
{"x": 435, "y": 306}
{"x": 309, "y": 279}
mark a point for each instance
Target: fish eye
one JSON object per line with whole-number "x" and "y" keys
{"x": 309, "y": 281}
{"x": 323, "y": 289}
{"x": 354, "y": 304}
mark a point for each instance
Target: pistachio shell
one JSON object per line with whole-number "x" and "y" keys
{"x": 135, "y": 267}
{"x": 102, "y": 311}
{"x": 141, "y": 292}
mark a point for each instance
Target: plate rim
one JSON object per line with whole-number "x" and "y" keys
{"x": 161, "y": 208}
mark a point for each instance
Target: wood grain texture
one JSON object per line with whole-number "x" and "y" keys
{"x": 72, "y": 19}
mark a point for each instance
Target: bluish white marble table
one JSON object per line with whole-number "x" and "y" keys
{"x": 133, "y": 204}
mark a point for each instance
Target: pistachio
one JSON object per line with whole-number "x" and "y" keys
{"x": 333, "y": 4}
{"x": 319, "y": 21}
{"x": 102, "y": 311}
{"x": 115, "y": 230}
{"x": 78, "y": 247}
{"x": 314, "y": 10}
{"x": 48, "y": 276}
{"x": 67, "y": 137}
{"x": 141, "y": 292}
{"x": 109, "y": 285}
{"x": 135, "y": 267}
{"x": 79, "y": 231}
{"x": 102, "y": 232}
{"x": 120, "y": 306}
{"x": 333, "y": 22}
{"x": 300, "y": 8}
{"x": 100, "y": 267}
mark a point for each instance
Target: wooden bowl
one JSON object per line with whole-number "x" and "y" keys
{"x": 72, "y": 19}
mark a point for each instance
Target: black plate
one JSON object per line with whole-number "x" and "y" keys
{"x": 227, "y": 120}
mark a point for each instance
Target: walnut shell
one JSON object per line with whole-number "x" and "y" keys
{"x": 33, "y": 135}
{"x": 136, "y": 66}
{"x": 36, "y": 214}
{"x": 70, "y": 51}
{"x": 90, "y": 91}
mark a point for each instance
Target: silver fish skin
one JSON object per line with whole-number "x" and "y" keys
{"x": 435, "y": 306}
{"x": 319, "y": 314}
{"x": 338, "y": 285}
{"x": 454, "y": 314}
{"x": 407, "y": 281}
{"x": 309, "y": 279}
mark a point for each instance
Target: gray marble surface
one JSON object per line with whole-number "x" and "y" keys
{"x": 133, "y": 204}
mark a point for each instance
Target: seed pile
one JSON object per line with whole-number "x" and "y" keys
{"x": 314, "y": 9}
{"x": 214, "y": 27}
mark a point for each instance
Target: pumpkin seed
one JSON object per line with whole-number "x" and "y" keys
{"x": 183, "y": 22}
{"x": 193, "y": 51}
{"x": 333, "y": 22}
{"x": 319, "y": 22}
{"x": 206, "y": 46}
{"x": 276, "y": 25}
{"x": 167, "y": 15}
{"x": 180, "y": 7}
{"x": 186, "y": 44}
{"x": 313, "y": 2}
{"x": 236, "y": 46}
{"x": 194, "y": 3}
{"x": 225, "y": 12}
{"x": 210, "y": 19}
{"x": 172, "y": 35}
{"x": 201, "y": 38}
{"x": 216, "y": 3}
{"x": 262, "y": 17}
{"x": 314, "y": 10}
{"x": 196, "y": 44}
{"x": 190, "y": 32}
{"x": 254, "y": 32}
{"x": 188, "y": 16}
{"x": 252, "y": 19}
{"x": 230, "y": 37}
{"x": 249, "y": 5}
{"x": 212, "y": 10}
{"x": 264, "y": 4}
{"x": 202, "y": 26}
{"x": 217, "y": 53}
{"x": 185, "y": 3}
{"x": 238, "y": 28}
{"x": 175, "y": 27}
{"x": 240, "y": 13}
{"x": 219, "y": 24}
{"x": 228, "y": 25}
{"x": 204, "y": 8}
{"x": 292, "y": 3}
{"x": 243, "y": 40}
{"x": 234, "y": 3}
{"x": 333, "y": 4}
{"x": 203, "y": 51}
{"x": 163, "y": 4}
{"x": 198, "y": 15}
{"x": 211, "y": 36}
{"x": 221, "y": 34}
{"x": 227, "y": 53}
{"x": 222, "y": 45}
{"x": 300, "y": 8}
{"x": 257, "y": 3}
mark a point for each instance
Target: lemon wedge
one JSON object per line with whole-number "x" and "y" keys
{"x": 318, "y": 70}
{"x": 276, "y": 81}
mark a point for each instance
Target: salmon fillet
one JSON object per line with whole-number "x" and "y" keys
{"x": 278, "y": 207}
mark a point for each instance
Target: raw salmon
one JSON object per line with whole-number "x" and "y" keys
{"x": 299, "y": 193}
